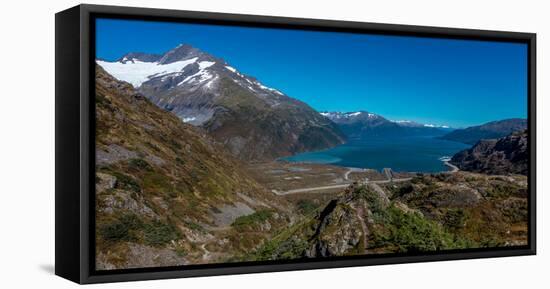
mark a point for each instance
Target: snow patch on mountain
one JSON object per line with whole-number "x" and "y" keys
{"x": 197, "y": 78}
{"x": 188, "y": 119}
{"x": 347, "y": 115}
{"x": 211, "y": 82}
{"x": 205, "y": 64}
{"x": 259, "y": 84}
{"x": 435, "y": 125}
{"x": 137, "y": 72}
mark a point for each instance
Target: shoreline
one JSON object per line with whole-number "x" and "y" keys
{"x": 446, "y": 162}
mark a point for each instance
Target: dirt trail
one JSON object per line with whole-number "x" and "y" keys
{"x": 309, "y": 190}
{"x": 321, "y": 188}
{"x": 206, "y": 255}
{"x": 351, "y": 170}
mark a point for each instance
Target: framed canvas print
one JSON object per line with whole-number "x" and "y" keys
{"x": 193, "y": 144}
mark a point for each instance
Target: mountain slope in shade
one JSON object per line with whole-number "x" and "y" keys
{"x": 252, "y": 120}
{"x": 490, "y": 130}
{"x": 363, "y": 124}
{"x": 507, "y": 155}
{"x": 165, "y": 190}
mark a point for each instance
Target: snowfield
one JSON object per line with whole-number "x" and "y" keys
{"x": 137, "y": 72}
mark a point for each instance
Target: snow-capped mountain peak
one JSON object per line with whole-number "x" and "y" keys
{"x": 180, "y": 52}
{"x": 204, "y": 90}
{"x": 435, "y": 125}
{"x": 186, "y": 70}
{"x": 410, "y": 123}
{"x": 183, "y": 66}
{"x": 349, "y": 115}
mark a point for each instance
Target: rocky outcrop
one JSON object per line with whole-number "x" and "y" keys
{"x": 454, "y": 196}
{"x": 338, "y": 231}
{"x": 507, "y": 155}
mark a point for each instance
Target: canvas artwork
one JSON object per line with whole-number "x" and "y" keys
{"x": 225, "y": 144}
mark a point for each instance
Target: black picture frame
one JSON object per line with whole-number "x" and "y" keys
{"x": 75, "y": 147}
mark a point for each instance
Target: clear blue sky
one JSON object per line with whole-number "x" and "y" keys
{"x": 447, "y": 82}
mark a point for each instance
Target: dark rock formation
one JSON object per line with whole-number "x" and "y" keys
{"x": 507, "y": 155}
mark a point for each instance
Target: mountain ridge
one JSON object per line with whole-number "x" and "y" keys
{"x": 364, "y": 124}
{"x": 490, "y": 130}
{"x": 254, "y": 121}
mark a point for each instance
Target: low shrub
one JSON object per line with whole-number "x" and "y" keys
{"x": 306, "y": 207}
{"x": 125, "y": 182}
{"x": 124, "y": 228}
{"x": 454, "y": 219}
{"x": 158, "y": 233}
{"x": 139, "y": 164}
{"x": 410, "y": 232}
{"x": 249, "y": 220}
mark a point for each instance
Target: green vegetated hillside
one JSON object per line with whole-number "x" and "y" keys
{"x": 430, "y": 213}
{"x": 166, "y": 193}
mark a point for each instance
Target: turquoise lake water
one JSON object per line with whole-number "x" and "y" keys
{"x": 411, "y": 154}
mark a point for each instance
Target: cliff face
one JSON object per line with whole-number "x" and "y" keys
{"x": 507, "y": 155}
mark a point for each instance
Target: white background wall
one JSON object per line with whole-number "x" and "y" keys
{"x": 27, "y": 143}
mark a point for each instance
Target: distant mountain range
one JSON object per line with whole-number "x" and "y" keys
{"x": 490, "y": 130}
{"x": 496, "y": 156}
{"x": 364, "y": 124}
{"x": 252, "y": 120}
